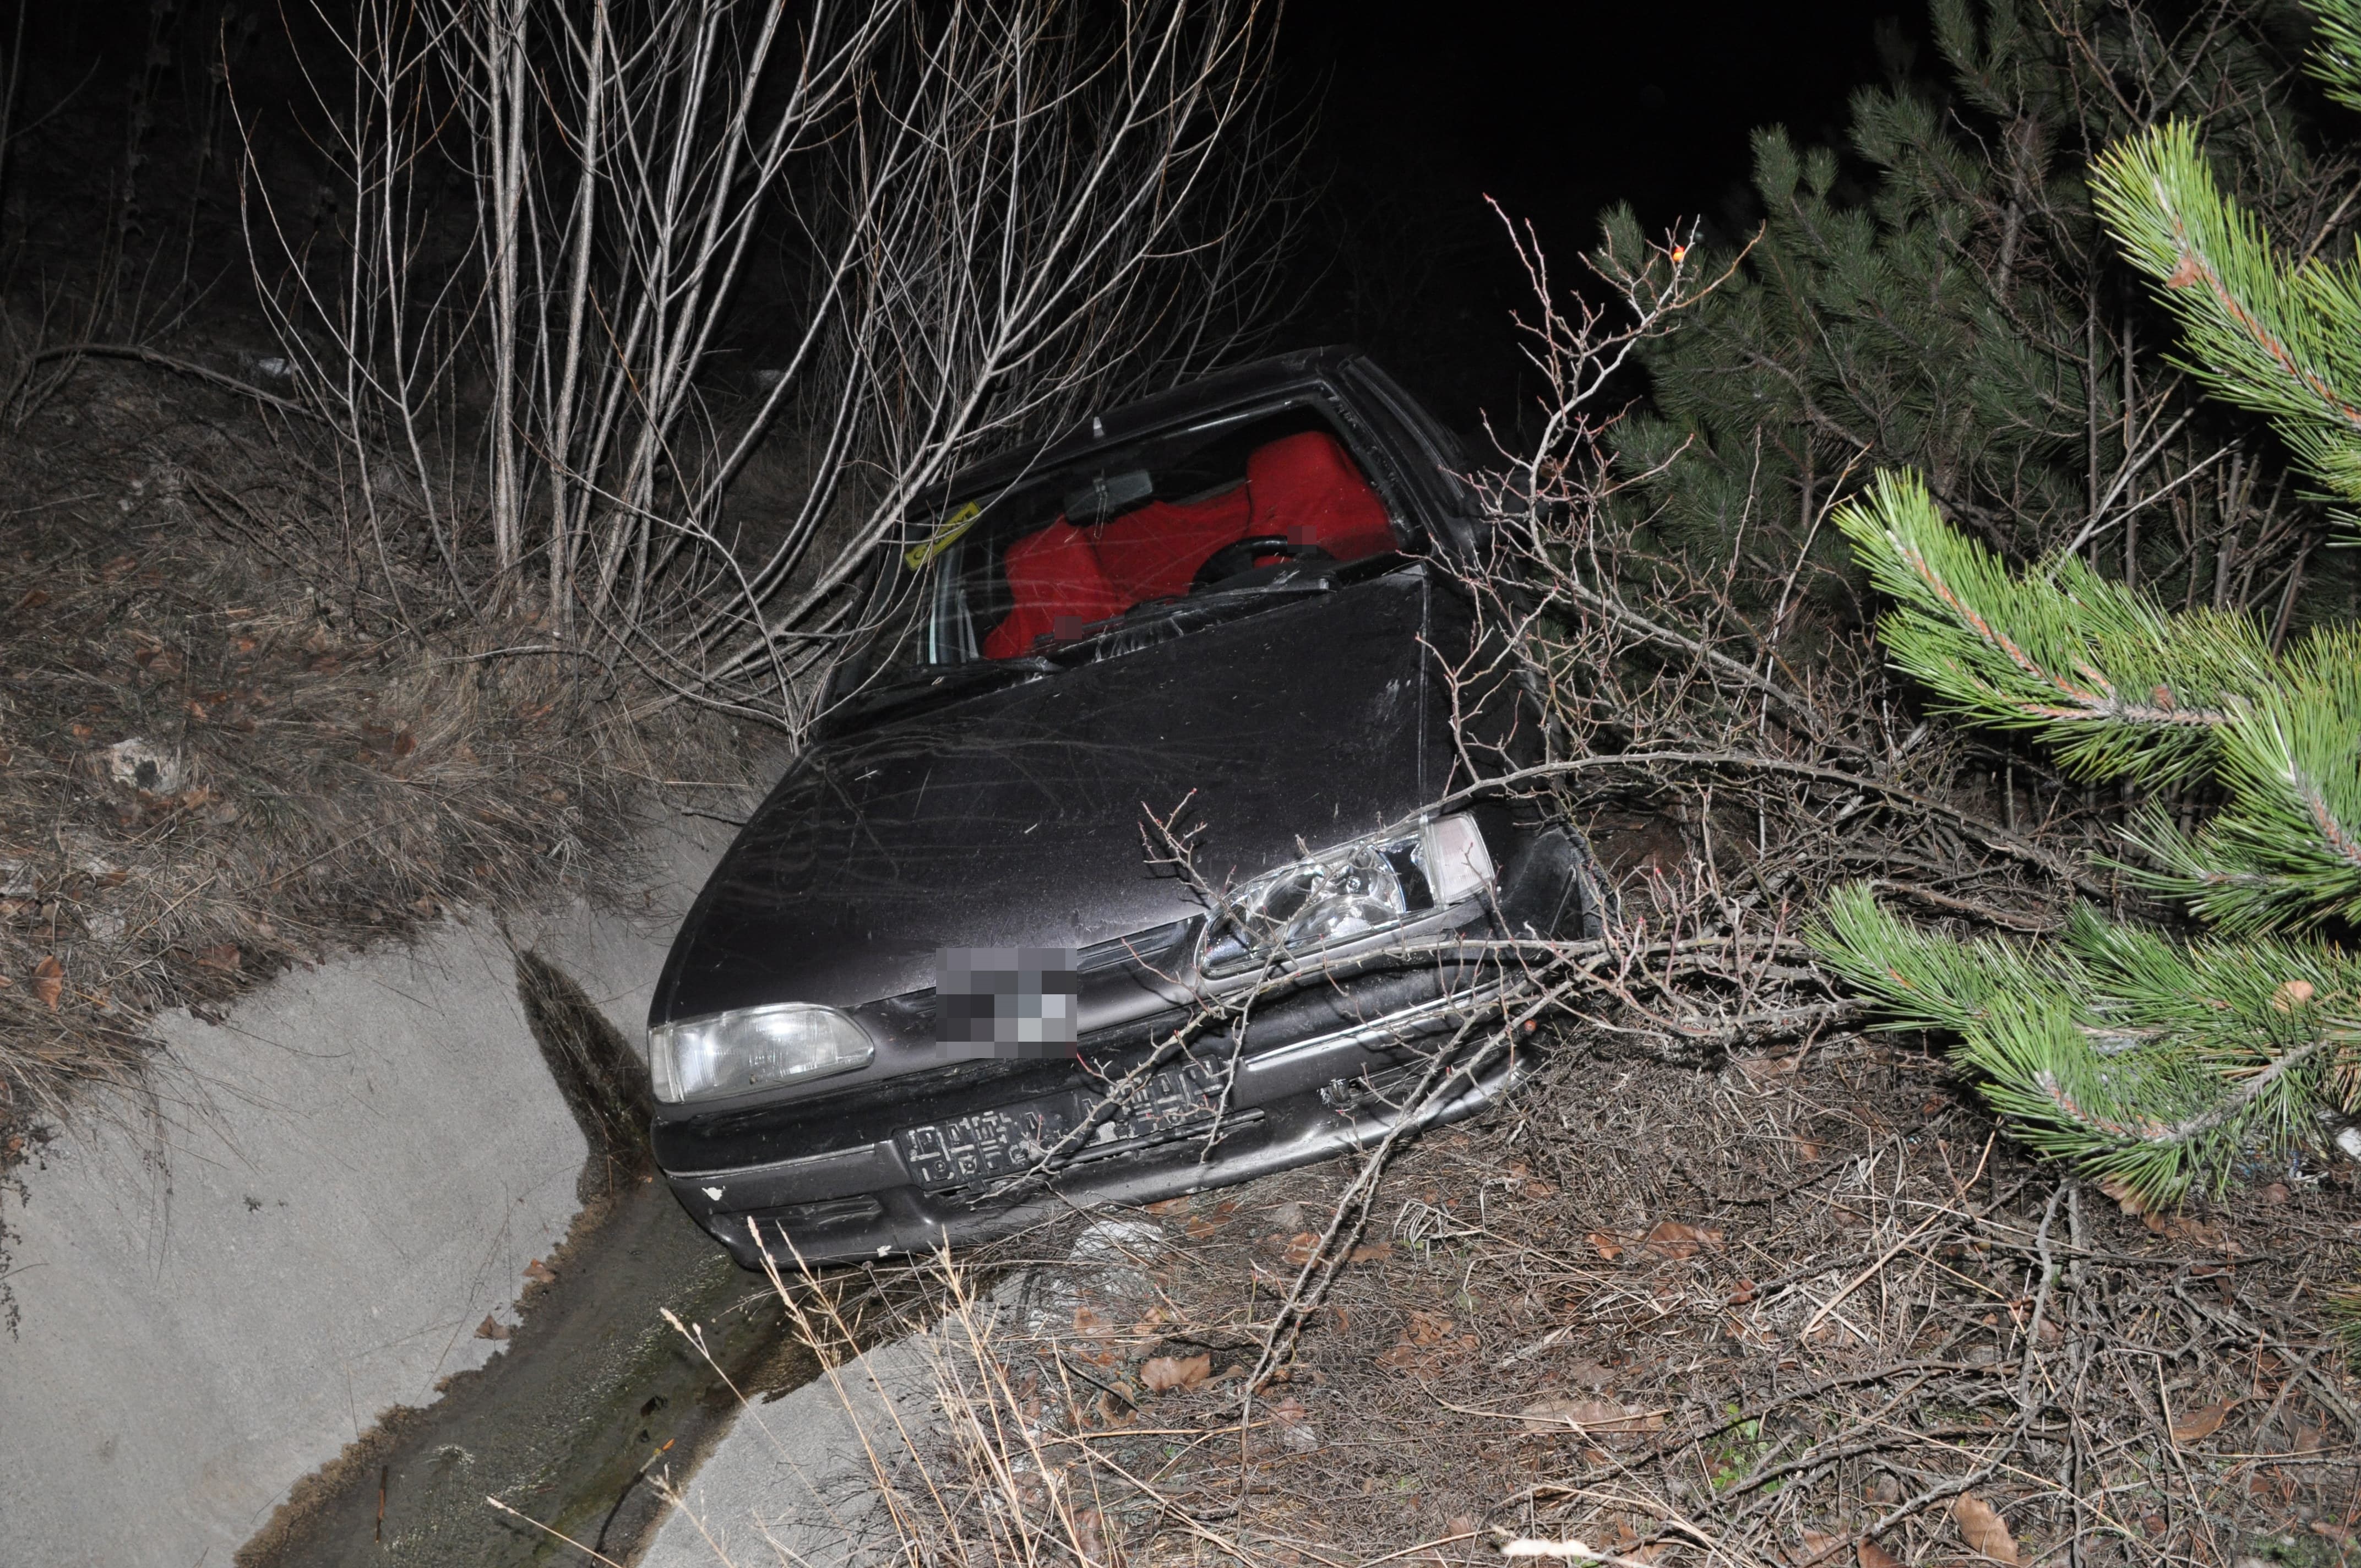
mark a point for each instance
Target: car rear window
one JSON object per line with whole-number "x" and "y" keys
{"x": 1059, "y": 554}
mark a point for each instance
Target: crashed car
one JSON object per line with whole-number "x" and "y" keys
{"x": 1115, "y": 872}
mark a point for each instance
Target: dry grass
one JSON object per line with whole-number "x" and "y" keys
{"x": 227, "y": 744}
{"x": 1807, "y": 1309}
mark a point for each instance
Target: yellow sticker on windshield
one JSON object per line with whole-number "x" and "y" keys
{"x": 945, "y": 534}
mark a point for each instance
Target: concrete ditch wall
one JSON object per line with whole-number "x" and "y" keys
{"x": 304, "y": 1221}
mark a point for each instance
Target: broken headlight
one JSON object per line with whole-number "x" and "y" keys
{"x": 753, "y": 1047}
{"x": 1346, "y": 892}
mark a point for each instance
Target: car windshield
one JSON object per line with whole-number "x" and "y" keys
{"x": 1061, "y": 553}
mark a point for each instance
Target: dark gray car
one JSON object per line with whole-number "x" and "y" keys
{"x": 951, "y": 977}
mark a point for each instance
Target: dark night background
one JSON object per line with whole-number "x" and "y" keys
{"x": 1556, "y": 112}
{"x": 1419, "y": 113}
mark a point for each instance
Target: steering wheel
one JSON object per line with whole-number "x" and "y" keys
{"x": 1240, "y": 555}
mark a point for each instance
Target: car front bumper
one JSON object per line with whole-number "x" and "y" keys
{"x": 1287, "y": 1106}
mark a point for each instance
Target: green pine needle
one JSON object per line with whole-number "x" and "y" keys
{"x": 2285, "y": 341}
{"x": 2158, "y": 1064}
{"x": 2092, "y": 667}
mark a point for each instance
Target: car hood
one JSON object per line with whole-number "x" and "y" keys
{"x": 1015, "y": 818}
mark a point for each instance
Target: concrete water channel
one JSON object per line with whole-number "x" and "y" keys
{"x": 289, "y": 1299}
{"x": 594, "y": 1394}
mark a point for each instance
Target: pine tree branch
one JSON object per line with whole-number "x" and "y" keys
{"x": 2264, "y": 335}
{"x": 2097, "y": 670}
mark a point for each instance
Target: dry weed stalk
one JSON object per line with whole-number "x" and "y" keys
{"x": 221, "y": 751}
{"x": 992, "y": 218}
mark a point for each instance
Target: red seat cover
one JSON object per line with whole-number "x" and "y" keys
{"x": 1306, "y": 489}
{"x": 1059, "y": 586}
{"x": 1301, "y": 487}
{"x": 1154, "y": 552}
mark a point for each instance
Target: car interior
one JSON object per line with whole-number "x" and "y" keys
{"x": 1156, "y": 523}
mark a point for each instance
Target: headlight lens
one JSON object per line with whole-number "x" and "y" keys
{"x": 1346, "y": 892}
{"x": 753, "y": 1047}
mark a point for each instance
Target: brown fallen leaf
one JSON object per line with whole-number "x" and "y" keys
{"x": 1198, "y": 1227}
{"x": 222, "y": 956}
{"x": 2125, "y": 1198}
{"x": 1090, "y": 1321}
{"x": 1163, "y": 1373}
{"x": 1982, "y": 1529}
{"x": 1169, "y": 1206}
{"x": 1873, "y": 1555}
{"x": 48, "y": 981}
{"x": 1563, "y": 1412}
{"x": 1819, "y": 1546}
{"x": 1673, "y": 1239}
{"x": 2277, "y": 1192}
{"x": 2292, "y": 995}
{"x": 1428, "y": 1328}
{"x": 2196, "y": 1233}
{"x": 2204, "y": 1422}
{"x": 540, "y": 1273}
{"x": 2305, "y": 1441}
{"x": 491, "y": 1329}
{"x": 1608, "y": 1247}
{"x": 1302, "y": 1247}
{"x": 1373, "y": 1252}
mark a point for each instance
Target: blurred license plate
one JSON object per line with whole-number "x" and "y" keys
{"x": 996, "y": 1142}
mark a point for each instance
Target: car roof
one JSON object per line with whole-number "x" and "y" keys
{"x": 1240, "y": 383}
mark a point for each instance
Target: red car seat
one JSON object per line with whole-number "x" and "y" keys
{"x": 1154, "y": 552}
{"x": 1307, "y": 490}
{"x": 1055, "y": 577}
{"x": 1301, "y": 487}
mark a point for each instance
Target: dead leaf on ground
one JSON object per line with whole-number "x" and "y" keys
{"x": 1090, "y": 1321}
{"x": 491, "y": 1328}
{"x": 222, "y": 956}
{"x": 2204, "y": 1422}
{"x": 1197, "y": 1227}
{"x": 1819, "y": 1546}
{"x": 2305, "y": 1441}
{"x": 1674, "y": 1240}
{"x": 1873, "y": 1555}
{"x": 1427, "y": 1328}
{"x": 48, "y": 981}
{"x": 1163, "y": 1373}
{"x": 1293, "y": 1421}
{"x": 1373, "y": 1252}
{"x": 1169, "y": 1206}
{"x": 2277, "y": 1192}
{"x": 1302, "y": 1247}
{"x": 540, "y": 1273}
{"x": 2126, "y": 1196}
{"x": 1607, "y": 1246}
{"x": 1563, "y": 1412}
{"x": 2196, "y": 1233}
{"x": 1982, "y": 1529}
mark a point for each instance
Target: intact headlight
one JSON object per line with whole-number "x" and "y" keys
{"x": 752, "y": 1047}
{"x": 1346, "y": 892}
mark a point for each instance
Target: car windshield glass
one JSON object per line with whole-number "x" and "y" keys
{"x": 1062, "y": 553}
